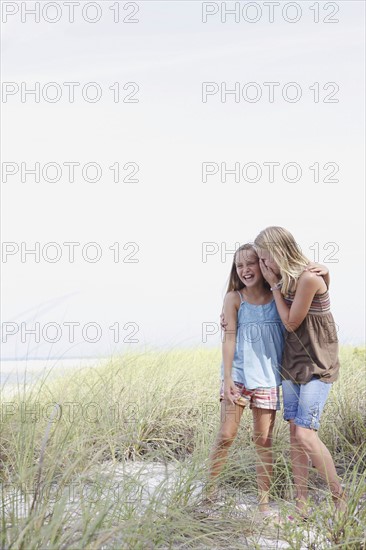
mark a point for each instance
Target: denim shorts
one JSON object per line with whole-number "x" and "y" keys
{"x": 304, "y": 403}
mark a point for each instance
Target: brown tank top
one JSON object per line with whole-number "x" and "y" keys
{"x": 312, "y": 349}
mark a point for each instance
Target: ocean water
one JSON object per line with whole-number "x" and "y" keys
{"x": 21, "y": 373}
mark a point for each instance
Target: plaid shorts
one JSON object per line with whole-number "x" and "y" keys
{"x": 261, "y": 398}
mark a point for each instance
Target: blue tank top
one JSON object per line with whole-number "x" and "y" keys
{"x": 259, "y": 346}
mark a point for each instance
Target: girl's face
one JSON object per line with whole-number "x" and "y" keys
{"x": 247, "y": 268}
{"x": 268, "y": 260}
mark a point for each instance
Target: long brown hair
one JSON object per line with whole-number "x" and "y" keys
{"x": 234, "y": 282}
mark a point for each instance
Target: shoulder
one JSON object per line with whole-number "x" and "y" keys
{"x": 309, "y": 281}
{"x": 232, "y": 297}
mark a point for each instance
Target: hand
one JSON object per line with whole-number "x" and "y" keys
{"x": 231, "y": 392}
{"x": 268, "y": 274}
{"x": 319, "y": 269}
{"x": 223, "y": 325}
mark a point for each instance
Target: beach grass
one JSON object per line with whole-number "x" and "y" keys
{"x": 116, "y": 456}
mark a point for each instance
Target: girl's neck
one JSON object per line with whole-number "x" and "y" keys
{"x": 256, "y": 293}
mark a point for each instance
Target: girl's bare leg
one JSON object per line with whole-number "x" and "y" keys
{"x": 230, "y": 420}
{"x": 300, "y": 468}
{"x": 322, "y": 461}
{"x": 263, "y": 421}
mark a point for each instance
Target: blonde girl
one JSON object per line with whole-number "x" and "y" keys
{"x": 310, "y": 362}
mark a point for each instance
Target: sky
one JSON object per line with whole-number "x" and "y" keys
{"x": 163, "y": 239}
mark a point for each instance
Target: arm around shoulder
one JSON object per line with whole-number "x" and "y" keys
{"x": 320, "y": 269}
{"x": 230, "y": 309}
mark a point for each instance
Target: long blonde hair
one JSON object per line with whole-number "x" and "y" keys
{"x": 285, "y": 252}
{"x": 234, "y": 282}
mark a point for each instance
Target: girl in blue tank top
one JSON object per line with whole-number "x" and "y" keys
{"x": 250, "y": 370}
{"x": 259, "y": 345}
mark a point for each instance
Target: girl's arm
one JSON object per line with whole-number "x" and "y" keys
{"x": 230, "y": 311}
{"x": 320, "y": 269}
{"x": 307, "y": 286}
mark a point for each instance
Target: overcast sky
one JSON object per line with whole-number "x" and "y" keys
{"x": 166, "y": 288}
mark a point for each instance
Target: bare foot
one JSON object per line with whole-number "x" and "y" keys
{"x": 302, "y": 508}
{"x": 272, "y": 517}
{"x": 264, "y": 507}
{"x": 340, "y": 501}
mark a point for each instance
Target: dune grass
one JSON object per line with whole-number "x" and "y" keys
{"x": 79, "y": 454}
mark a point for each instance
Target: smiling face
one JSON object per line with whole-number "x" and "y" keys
{"x": 268, "y": 260}
{"x": 247, "y": 268}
